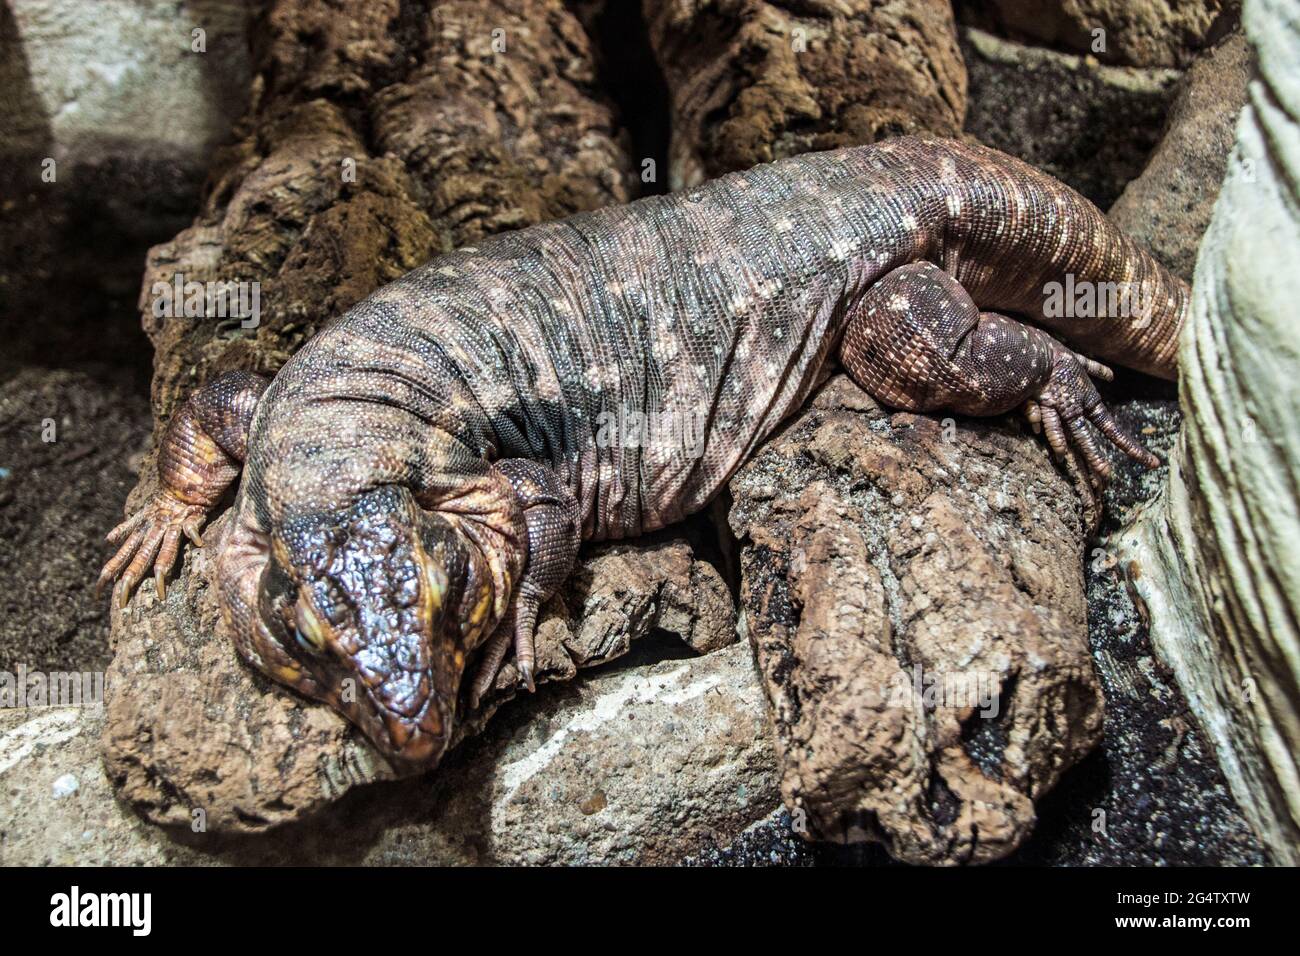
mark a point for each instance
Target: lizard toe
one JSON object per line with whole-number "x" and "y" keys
{"x": 149, "y": 540}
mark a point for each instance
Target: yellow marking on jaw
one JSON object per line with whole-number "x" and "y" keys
{"x": 478, "y": 615}
{"x": 288, "y": 675}
{"x": 432, "y": 590}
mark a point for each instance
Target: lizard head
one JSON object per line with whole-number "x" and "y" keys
{"x": 361, "y": 608}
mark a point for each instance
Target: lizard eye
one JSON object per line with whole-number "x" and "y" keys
{"x": 309, "y": 633}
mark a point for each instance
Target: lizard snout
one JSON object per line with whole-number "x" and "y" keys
{"x": 409, "y": 729}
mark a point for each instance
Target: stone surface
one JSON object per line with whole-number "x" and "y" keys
{"x": 189, "y": 727}
{"x": 913, "y": 590}
{"x": 39, "y": 747}
{"x": 635, "y": 765}
{"x": 1134, "y": 32}
{"x": 1089, "y": 125}
{"x": 1168, "y": 207}
{"x": 113, "y": 95}
{"x": 1215, "y": 562}
{"x": 754, "y": 81}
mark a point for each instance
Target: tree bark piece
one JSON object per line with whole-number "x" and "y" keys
{"x": 1168, "y": 207}
{"x": 754, "y": 81}
{"x": 381, "y": 133}
{"x": 1132, "y": 32}
{"x": 913, "y": 591}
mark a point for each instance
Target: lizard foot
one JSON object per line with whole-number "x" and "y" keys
{"x": 1067, "y": 400}
{"x": 551, "y": 518}
{"x": 518, "y": 627}
{"x": 151, "y": 535}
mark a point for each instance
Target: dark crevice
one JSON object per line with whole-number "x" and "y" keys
{"x": 655, "y": 648}
{"x": 984, "y": 736}
{"x": 631, "y": 77}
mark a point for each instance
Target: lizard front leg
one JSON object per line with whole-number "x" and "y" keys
{"x": 917, "y": 341}
{"x": 202, "y": 449}
{"x": 551, "y": 516}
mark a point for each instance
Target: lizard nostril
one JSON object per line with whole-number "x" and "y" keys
{"x": 399, "y": 730}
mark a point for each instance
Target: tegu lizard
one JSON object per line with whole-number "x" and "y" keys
{"x": 418, "y": 477}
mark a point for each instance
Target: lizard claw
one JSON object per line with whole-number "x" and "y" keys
{"x": 515, "y": 628}
{"x": 493, "y": 654}
{"x": 526, "y": 608}
{"x": 150, "y": 536}
{"x": 1068, "y": 398}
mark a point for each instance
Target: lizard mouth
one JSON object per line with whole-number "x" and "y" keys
{"x": 406, "y": 714}
{"x": 417, "y": 740}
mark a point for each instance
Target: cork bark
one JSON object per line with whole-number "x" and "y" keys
{"x": 1124, "y": 32}
{"x": 754, "y": 81}
{"x": 913, "y": 590}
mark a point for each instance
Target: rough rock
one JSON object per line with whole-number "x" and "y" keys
{"x": 56, "y": 805}
{"x": 1215, "y": 560}
{"x": 754, "y": 81}
{"x": 1168, "y": 207}
{"x": 113, "y": 95}
{"x": 643, "y": 765}
{"x": 1089, "y": 125}
{"x": 190, "y": 728}
{"x": 1134, "y": 32}
{"x": 640, "y": 765}
{"x": 913, "y": 590}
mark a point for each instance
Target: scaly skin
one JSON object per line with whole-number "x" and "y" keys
{"x": 418, "y": 476}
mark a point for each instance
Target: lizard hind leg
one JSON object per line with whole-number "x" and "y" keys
{"x": 916, "y": 340}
